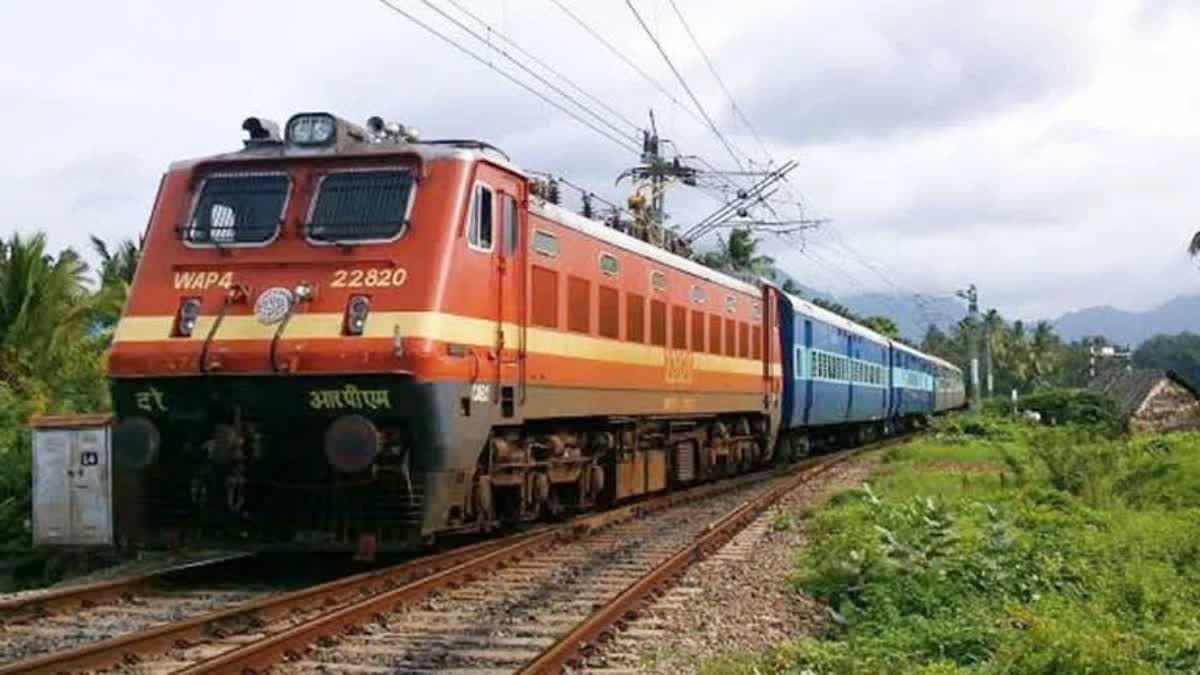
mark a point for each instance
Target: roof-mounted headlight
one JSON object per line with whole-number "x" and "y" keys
{"x": 310, "y": 129}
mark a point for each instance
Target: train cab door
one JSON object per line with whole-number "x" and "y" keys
{"x": 495, "y": 267}
{"x": 509, "y": 390}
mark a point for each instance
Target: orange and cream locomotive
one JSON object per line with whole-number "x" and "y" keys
{"x": 343, "y": 334}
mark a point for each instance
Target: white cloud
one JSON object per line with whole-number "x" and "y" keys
{"x": 1048, "y": 154}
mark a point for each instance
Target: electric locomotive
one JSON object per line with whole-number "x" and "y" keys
{"x": 344, "y": 335}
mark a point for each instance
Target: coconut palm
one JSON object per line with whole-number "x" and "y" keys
{"x": 739, "y": 253}
{"x": 120, "y": 263}
{"x": 1044, "y": 350}
{"x": 43, "y": 302}
{"x": 117, "y": 267}
{"x": 1018, "y": 352}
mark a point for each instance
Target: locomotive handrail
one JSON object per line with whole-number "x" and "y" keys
{"x": 235, "y": 294}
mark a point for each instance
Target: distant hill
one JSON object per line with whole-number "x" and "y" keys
{"x": 1132, "y": 328}
{"x": 911, "y": 314}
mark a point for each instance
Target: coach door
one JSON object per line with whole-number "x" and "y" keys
{"x": 510, "y": 300}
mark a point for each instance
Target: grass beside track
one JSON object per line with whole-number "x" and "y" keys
{"x": 996, "y": 547}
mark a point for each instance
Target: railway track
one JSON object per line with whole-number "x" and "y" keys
{"x": 531, "y": 602}
{"x": 66, "y": 617}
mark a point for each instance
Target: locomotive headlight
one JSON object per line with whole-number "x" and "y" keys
{"x": 185, "y": 320}
{"x": 356, "y": 314}
{"x": 311, "y": 129}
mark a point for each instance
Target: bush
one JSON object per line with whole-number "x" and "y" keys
{"x": 1083, "y": 558}
{"x": 1074, "y": 406}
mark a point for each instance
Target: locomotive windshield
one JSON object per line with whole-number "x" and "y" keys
{"x": 361, "y": 205}
{"x": 238, "y": 209}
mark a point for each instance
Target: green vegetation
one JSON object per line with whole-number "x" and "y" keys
{"x": 1180, "y": 353}
{"x": 54, "y": 329}
{"x": 999, "y": 547}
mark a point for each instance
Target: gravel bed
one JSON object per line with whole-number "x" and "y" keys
{"x": 501, "y": 621}
{"x": 738, "y": 599}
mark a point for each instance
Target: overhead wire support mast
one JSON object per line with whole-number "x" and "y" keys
{"x": 631, "y": 147}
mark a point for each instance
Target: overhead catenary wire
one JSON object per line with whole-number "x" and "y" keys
{"x": 623, "y": 143}
{"x": 733, "y": 154}
{"x": 712, "y": 68}
{"x": 547, "y": 67}
{"x": 725, "y": 178}
{"x": 628, "y": 61}
{"x": 553, "y": 87}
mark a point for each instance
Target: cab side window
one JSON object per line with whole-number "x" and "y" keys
{"x": 508, "y": 211}
{"x": 480, "y": 232}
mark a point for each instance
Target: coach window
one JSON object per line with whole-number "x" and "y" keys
{"x": 609, "y": 265}
{"x": 658, "y": 323}
{"x": 545, "y": 244}
{"x": 512, "y": 234}
{"x": 479, "y": 236}
{"x": 635, "y": 318}
{"x": 658, "y": 281}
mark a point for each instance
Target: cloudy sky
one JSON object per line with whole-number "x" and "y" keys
{"x": 1048, "y": 151}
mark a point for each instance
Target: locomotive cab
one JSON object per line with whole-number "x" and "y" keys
{"x": 288, "y": 367}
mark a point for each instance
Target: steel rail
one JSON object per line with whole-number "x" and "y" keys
{"x": 262, "y": 654}
{"x": 593, "y": 628}
{"x": 86, "y": 596}
{"x": 130, "y": 648}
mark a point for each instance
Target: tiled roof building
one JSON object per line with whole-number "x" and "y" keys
{"x": 1151, "y": 400}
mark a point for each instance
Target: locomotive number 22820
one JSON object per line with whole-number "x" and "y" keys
{"x": 371, "y": 278}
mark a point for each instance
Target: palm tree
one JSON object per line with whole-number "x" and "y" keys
{"x": 882, "y": 325}
{"x": 1194, "y": 246}
{"x": 1018, "y": 352}
{"x": 120, "y": 263}
{"x": 739, "y": 253}
{"x": 1043, "y": 350}
{"x": 117, "y": 267}
{"x": 43, "y": 303}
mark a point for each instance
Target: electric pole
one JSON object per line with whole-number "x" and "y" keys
{"x": 972, "y": 298}
{"x": 652, "y": 176}
{"x": 987, "y": 354}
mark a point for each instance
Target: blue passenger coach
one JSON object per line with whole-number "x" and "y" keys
{"x": 842, "y": 377}
{"x": 836, "y": 371}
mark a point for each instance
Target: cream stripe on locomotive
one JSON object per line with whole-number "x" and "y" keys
{"x": 438, "y": 326}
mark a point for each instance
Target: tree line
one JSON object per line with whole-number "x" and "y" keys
{"x": 56, "y": 324}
